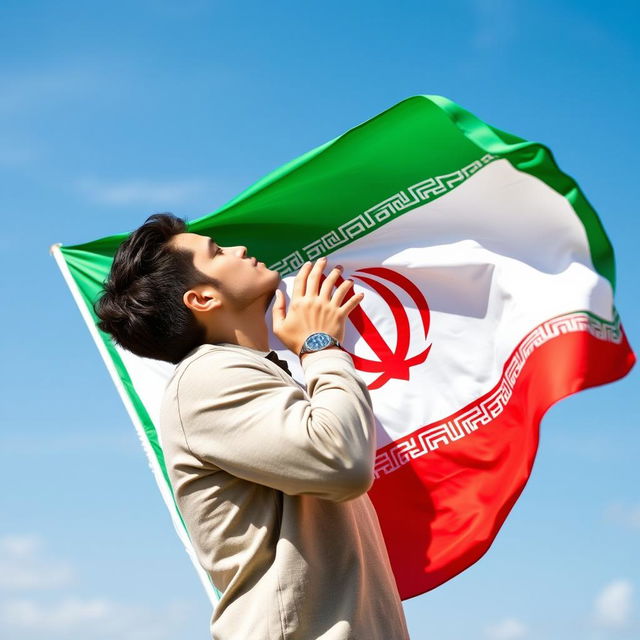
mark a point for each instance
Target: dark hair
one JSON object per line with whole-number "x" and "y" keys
{"x": 142, "y": 306}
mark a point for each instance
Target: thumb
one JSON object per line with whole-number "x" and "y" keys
{"x": 278, "y": 308}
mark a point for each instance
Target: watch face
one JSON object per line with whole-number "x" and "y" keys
{"x": 317, "y": 341}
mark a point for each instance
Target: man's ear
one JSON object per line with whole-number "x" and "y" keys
{"x": 202, "y": 298}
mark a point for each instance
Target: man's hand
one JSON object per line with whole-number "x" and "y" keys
{"x": 312, "y": 307}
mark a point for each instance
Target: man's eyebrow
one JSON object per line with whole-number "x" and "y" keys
{"x": 210, "y": 246}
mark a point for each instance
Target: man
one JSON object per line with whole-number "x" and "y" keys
{"x": 269, "y": 477}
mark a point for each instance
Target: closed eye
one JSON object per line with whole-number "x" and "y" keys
{"x": 216, "y": 252}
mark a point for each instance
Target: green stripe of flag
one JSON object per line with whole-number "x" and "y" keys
{"x": 361, "y": 171}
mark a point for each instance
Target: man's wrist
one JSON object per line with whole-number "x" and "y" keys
{"x": 333, "y": 346}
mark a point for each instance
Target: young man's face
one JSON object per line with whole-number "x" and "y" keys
{"x": 243, "y": 279}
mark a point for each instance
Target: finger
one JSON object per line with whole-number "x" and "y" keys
{"x": 300, "y": 281}
{"x": 329, "y": 282}
{"x": 342, "y": 291}
{"x": 352, "y": 303}
{"x": 313, "y": 280}
{"x": 279, "y": 308}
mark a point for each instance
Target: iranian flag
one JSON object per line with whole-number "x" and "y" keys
{"x": 488, "y": 282}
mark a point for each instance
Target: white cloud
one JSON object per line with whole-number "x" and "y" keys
{"x": 64, "y": 616}
{"x": 24, "y": 567}
{"x": 495, "y": 23}
{"x": 147, "y": 193}
{"x": 613, "y": 605}
{"x": 90, "y": 618}
{"x": 627, "y": 515}
{"x": 19, "y": 546}
{"x": 507, "y": 629}
{"x": 35, "y": 89}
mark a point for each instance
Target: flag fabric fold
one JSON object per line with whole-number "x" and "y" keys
{"x": 489, "y": 295}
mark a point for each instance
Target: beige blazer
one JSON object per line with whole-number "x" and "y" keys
{"x": 271, "y": 481}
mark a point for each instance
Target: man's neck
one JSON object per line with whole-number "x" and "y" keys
{"x": 254, "y": 337}
{"x": 248, "y": 330}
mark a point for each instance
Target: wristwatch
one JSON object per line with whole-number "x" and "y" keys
{"x": 318, "y": 341}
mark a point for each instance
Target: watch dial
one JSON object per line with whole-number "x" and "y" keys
{"x": 318, "y": 340}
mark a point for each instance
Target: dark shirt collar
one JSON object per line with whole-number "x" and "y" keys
{"x": 273, "y": 356}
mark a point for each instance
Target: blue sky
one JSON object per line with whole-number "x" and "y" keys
{"x": 111, "y": 111}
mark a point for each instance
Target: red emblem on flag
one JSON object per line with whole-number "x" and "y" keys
{"x": 390, "y": 363}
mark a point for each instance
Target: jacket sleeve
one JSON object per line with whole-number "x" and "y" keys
{"x": 240, "y": 416}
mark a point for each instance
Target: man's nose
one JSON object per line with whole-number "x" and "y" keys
{"x": 241, "y": 251}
